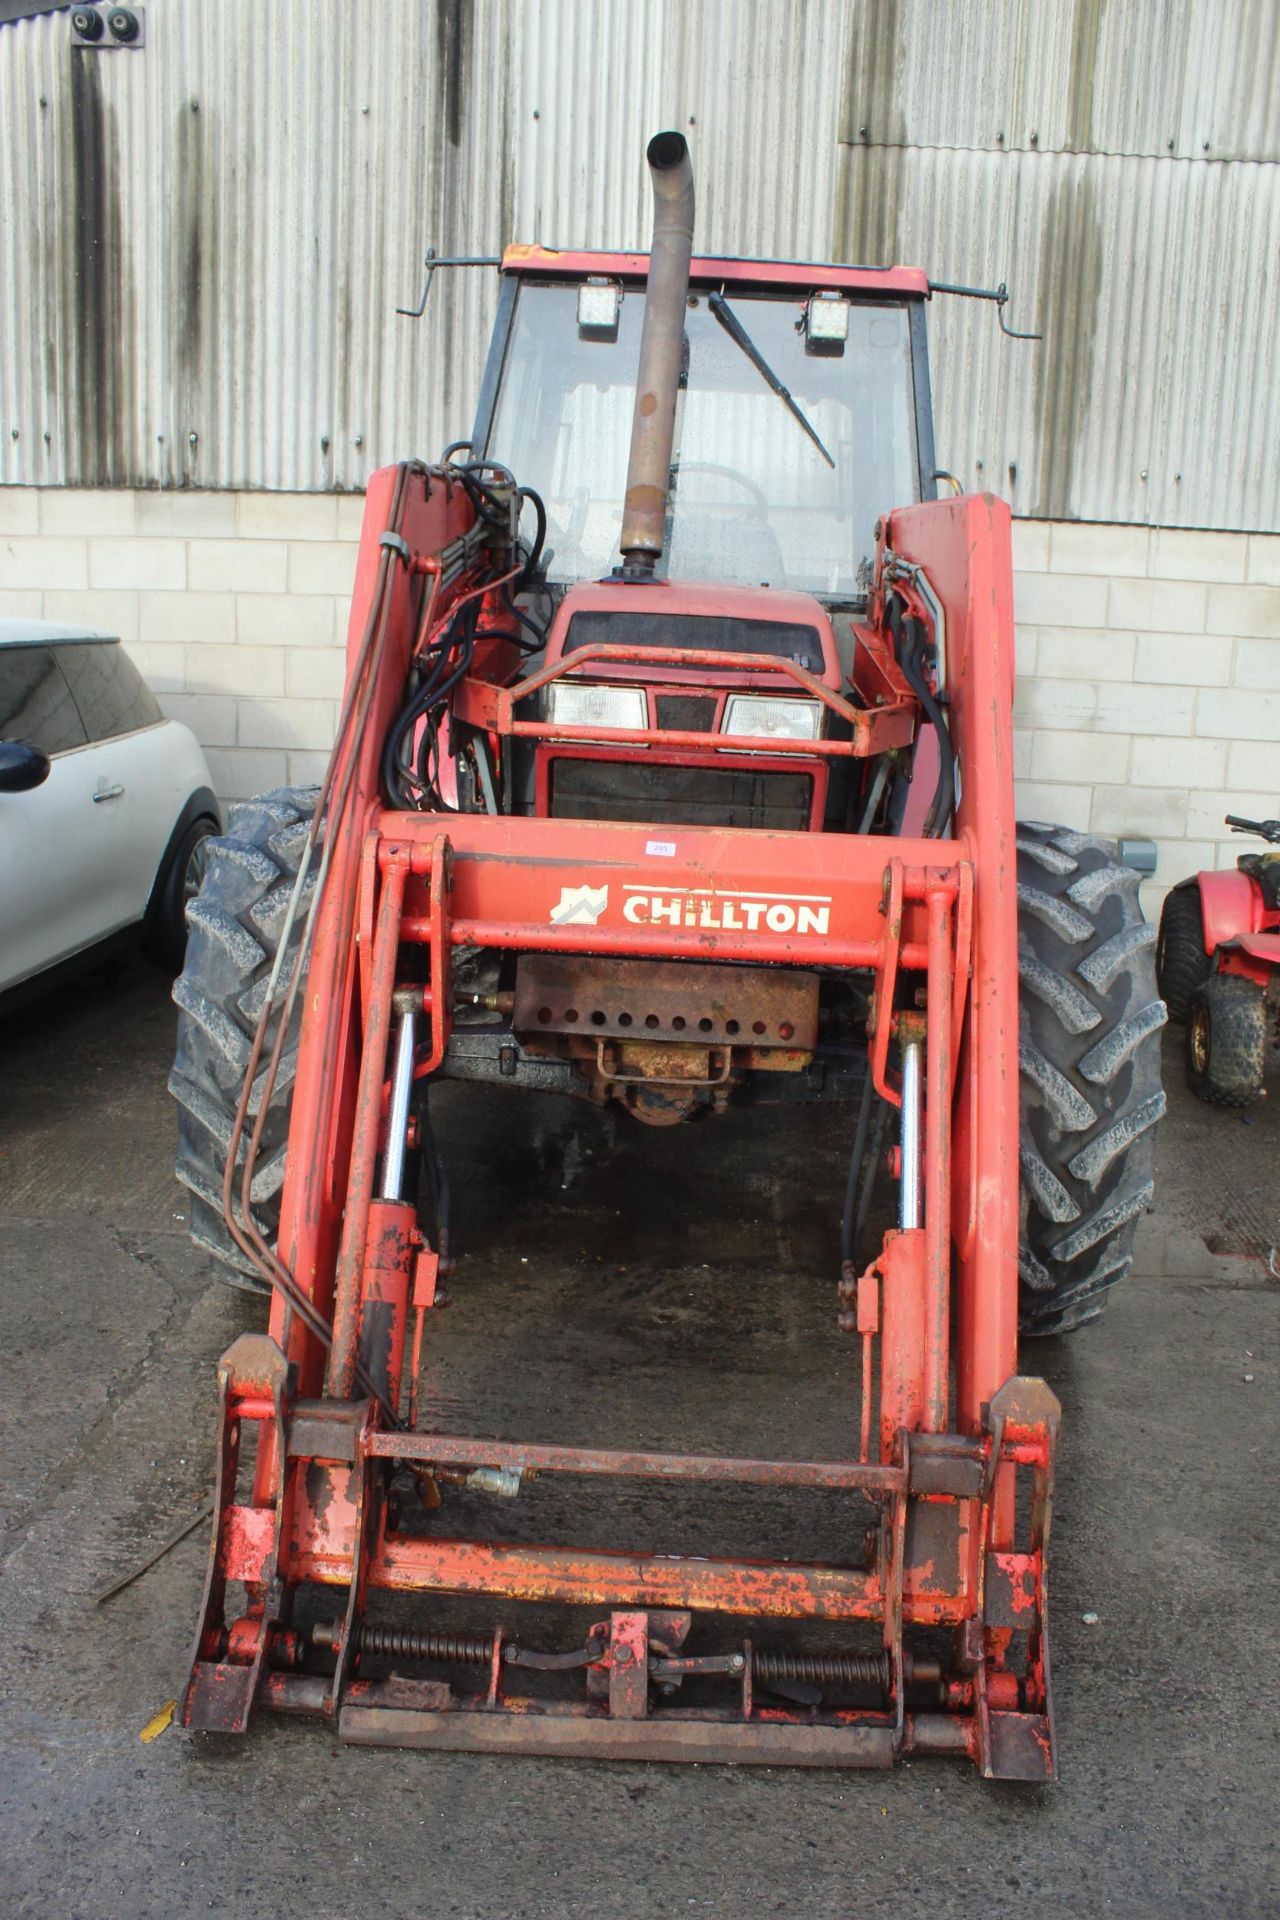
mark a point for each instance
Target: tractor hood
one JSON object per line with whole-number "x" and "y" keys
{"x": 706, "y": 619}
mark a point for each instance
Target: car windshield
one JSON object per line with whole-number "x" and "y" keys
{"x": 754, "y": 501}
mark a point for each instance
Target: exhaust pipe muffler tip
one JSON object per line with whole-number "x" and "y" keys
{"x": 653, "y": 423}
{"x": 666, "y": 151}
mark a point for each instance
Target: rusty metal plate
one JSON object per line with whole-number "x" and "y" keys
{"x": 558, "y": 1732}
{"x": 932, "y": 1554}
{"x": 671, "y": 1000}
{"x": 219, "y": 1698}
{"x": 1022, "y": 1748}
{"x": 1012, "y": 1590}
{"x": 629, "y": 1666}
{"x": 947, "y": 1464}
{"x": 326, "y": 1429}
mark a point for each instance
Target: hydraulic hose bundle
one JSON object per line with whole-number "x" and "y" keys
{"x": 910, "y": 641}
{"x": 443, "y": 656}
{"x": 410, "y": 753}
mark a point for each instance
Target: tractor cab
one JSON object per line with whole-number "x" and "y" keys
{"x": 682, "y": 691}
{"x": 764, "y": 490}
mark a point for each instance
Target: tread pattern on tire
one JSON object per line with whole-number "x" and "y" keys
{"x": 1236, "y": 1066}
{"x": 1182, "y": 964}
{"x": 1089, "y": 1054}
{"x": 234, "y": 928}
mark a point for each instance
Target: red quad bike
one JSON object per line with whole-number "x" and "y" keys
{"x": 1218, "y": 967}
{"x": 674, "y": 772}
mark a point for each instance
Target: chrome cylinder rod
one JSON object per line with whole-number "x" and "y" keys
{"x": 912, "y": 1102}
{"x": 398, "y": 1114}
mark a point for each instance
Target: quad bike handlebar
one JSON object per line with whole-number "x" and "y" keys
{"x": 1265, "y": 829}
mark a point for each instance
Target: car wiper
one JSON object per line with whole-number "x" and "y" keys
{"x": 741, "y": 338}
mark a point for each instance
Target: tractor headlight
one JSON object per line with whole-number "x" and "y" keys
{"x": 584, "y": 703}
{"x": 772, "y": 717}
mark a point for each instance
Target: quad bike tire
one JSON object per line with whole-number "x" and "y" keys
{"x": 234, "y": 927}
{"x": 1182, "y": 964}
{"x": 1089, "y": 1060}
{"x": 1227, "y": 1041}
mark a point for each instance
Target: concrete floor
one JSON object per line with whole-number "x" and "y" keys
{"x": 678, "y": 1289}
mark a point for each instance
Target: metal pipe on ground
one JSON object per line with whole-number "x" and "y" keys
{"x": 661, "y": 355}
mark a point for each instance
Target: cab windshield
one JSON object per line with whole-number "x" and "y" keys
{"x": 753, "y": 500}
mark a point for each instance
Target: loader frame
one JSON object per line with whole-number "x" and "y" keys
{"x": 946, "y": 1425}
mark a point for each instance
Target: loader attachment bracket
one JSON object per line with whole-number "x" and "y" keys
{"x": 225, "y": 1675}
{"x": 331, "y": 1523}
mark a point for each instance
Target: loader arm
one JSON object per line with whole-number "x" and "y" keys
{"x": 964, "y": 547}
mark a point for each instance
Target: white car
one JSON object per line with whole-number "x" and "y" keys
{"x": 105, "y": 805}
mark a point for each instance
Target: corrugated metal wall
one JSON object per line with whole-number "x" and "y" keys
{"x": 202, "y": 244}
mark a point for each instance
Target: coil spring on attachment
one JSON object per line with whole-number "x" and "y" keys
{"x": 769, "y": 1667}
{"x": 823, "y": 1669}
{"x": 404, "y": 1643}
{"x": 450, "y": 1649}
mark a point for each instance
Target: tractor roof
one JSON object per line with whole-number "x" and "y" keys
{"x": 889, "y": 282}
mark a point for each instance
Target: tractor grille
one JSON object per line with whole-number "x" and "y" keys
{"x": 686, "y": 712}
{"x": 680, "y": 796}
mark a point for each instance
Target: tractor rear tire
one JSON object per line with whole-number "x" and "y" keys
{"x": 234, "y": 928}
{"x": 1089, "y": 1054}
{"x": 1182, "y": 964}
{"x": 1227, "y": 1041}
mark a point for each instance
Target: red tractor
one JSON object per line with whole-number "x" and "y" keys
{"x": 1218, "y": 965}
{"x": 674, "y": 771}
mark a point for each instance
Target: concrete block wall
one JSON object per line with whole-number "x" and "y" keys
{"x": 234, "y": 606}
{"x": 1148, "y": 697}
{"x": 1148, "y": 661}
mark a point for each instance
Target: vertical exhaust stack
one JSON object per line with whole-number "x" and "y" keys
{"x": 653, "y": 424}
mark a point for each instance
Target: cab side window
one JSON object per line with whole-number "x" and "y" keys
{"x": 36, "y": 707}
{"x": 110, "y": 693}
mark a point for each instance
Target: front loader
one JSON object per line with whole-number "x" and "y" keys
{"x": 674, "y": 772}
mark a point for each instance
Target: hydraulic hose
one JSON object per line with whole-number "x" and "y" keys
{"x": 856, "y": 1158}
{"x": 540, "y": 523}
{"x": 409, "y": 780}
{"x": 908, "y": 636}
{"x": 864, "y": 1165}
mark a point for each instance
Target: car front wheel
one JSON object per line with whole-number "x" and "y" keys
{"x": 166, "y": 931}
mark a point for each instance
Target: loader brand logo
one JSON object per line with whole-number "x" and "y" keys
{"x": 727, "y": 910}
{"x": 705, "y": 909}
{"x": 579, "y": 906}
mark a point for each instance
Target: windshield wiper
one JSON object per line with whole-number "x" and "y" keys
{"x": 741, "y": 338}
